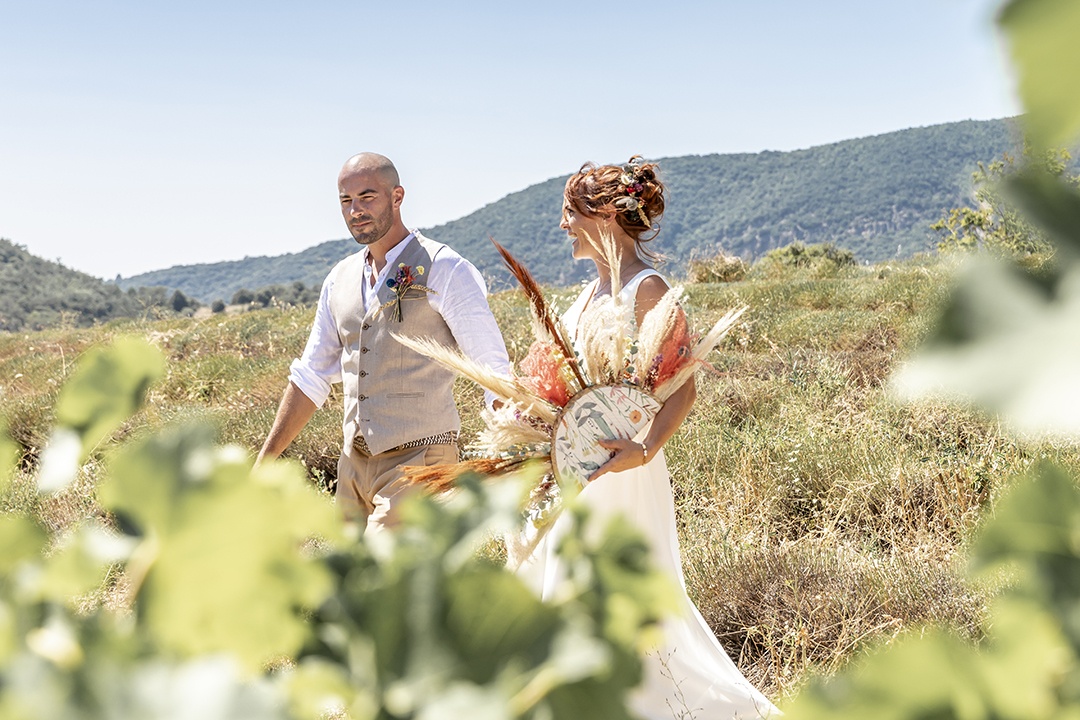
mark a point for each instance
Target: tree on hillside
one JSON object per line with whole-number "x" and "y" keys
{"x": 178, "y": 301}
{"x": 243, "y": 296}
{"x": 994, "y": 224}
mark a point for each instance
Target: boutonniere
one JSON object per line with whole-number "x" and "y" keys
{"x": 401, "y": 283}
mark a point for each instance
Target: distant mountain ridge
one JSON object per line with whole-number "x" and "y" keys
{"x": 875, "y": 196}
{"x": 36, "y": 293}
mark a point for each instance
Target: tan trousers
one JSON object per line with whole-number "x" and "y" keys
{"x": 370, "y": 488}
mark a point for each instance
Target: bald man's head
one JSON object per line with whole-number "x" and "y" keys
{"x": 371, "y": 162}
{"x": 371, "y": 198}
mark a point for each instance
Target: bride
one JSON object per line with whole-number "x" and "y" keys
{"x": 689, "y": 674}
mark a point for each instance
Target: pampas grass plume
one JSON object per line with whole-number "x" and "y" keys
{"x": 506, "y": 388}
{"x": 504, "y": 429}
{"x": 701, "y": 350}
{"x": 656, "y": 326}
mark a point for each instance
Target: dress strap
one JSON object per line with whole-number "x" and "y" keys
{"x": 629, "y": 291}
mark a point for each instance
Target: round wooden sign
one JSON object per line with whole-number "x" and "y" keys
{"x": 601, "y": 412}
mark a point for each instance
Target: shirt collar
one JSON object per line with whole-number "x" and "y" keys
{"x": 392, "y": 255}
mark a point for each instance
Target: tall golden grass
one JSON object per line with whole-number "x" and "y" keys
{"x": 815, "y": 514}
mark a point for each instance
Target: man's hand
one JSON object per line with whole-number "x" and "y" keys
{"x": 292, "y": 415}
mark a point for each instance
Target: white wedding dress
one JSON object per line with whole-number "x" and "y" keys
{"x": 689, "y": 675}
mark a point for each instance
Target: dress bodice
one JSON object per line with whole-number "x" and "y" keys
{"x": 628, "y": 296}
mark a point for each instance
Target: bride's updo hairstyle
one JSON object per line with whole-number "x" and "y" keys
{"x": 633, "y": 191}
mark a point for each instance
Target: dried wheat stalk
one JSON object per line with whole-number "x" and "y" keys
{"x": 506, "y": 388}
{"x": 700, "y": 351}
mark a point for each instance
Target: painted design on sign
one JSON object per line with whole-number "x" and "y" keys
{"x": 600, "y": 412}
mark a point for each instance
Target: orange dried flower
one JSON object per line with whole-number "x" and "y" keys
{"x": 675, "y": 353}
{"x": 544, "y": 378}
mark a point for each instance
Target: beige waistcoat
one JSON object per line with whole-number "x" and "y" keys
{"x": 392, "y": 394}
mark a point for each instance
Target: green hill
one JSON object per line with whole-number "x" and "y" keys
{"x": 211, "y": 281}
{"x": 37, "y": 293}
{"x": 875, "y": 196}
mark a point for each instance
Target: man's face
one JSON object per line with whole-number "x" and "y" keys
{"x": 367, "y": 204}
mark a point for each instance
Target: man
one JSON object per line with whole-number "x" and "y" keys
{"x": 399, "y": 405}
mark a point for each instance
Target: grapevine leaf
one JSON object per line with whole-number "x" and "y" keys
{"x": 227, "y": 574}
{"x": 1042, "y": 37}
{"x": 108, "y": 387}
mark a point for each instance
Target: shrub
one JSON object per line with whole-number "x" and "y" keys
{"x": 217, "y": 306}
{"x": 265, "y": 295}
{"x": 801, "y": 255}
{"x": 995, "y": 224}
{"x": 179, "y": 301}
{"x": 719, "y": 267}
{"x": 243, "y": 296}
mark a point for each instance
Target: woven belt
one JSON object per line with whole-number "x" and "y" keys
{"x": 447, "y": 438}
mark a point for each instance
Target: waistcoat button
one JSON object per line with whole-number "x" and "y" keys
{"x": 366, "y": 326}
{"x": 363, "y": 373}
{"x": 363, "y": 350}
{"x": 362, "y": 397}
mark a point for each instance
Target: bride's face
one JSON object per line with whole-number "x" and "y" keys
{"x": 583, "y": 230}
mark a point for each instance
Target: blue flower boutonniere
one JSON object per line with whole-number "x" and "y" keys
{"x": 401, "y": 283}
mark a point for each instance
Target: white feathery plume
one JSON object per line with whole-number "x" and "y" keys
{"x": 655, "y": 328}
{"x": 613, "y": 257}
{"x": 504, "y": 387}
{"x": 604, "y": 326}
{"x": 540, "y": 331}
{"x": 700, "y": 351}
{"x": 603, "y": 331}
{"x": 590, "y": 341}
{"x": 503, "y": 429}
{"x": 520, "y": 546}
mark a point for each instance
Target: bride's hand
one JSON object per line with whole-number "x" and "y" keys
{"x": 628, "y": 455}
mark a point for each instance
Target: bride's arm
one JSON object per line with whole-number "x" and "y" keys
{"x": 629, "y": 454}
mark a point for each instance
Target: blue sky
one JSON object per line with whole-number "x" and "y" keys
{"x": 139, "y": 135}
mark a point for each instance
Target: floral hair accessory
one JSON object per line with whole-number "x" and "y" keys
{"x": 401, "y": 283}
{"x": 630, "y": 183}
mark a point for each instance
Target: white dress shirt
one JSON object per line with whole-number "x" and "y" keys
{"x": 460, "y": 297}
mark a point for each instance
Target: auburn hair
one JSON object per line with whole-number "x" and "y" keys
{"x": 596, "y": 189}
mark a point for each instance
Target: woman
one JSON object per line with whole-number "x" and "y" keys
{"x": 689, "y": 674}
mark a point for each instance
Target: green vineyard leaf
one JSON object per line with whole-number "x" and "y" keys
{"x": 22, "y": 541}
{"x": 1008, "y": 343}
{"x": 108, "y": 387}
{"x": 1042, "y": 36}
{"x": 221, "y": 548}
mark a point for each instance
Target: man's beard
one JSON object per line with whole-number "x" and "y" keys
{"x": 380, "y": 225}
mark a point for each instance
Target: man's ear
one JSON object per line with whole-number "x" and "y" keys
{"x": 398, "y": 194}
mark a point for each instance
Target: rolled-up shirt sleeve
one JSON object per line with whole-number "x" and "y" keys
{"x": 462, "y": 302}
{"x": 320, "y": 365}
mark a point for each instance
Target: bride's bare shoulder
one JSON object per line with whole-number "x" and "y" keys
{"x": 649, "y": 292}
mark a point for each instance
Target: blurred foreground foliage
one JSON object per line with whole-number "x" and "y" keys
{"x": 996, "y": 224}
{"x": 1007, "y": 339}
{"x": 205, "y": 589}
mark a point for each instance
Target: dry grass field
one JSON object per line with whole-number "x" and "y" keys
{"x": 816, "y": 514}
